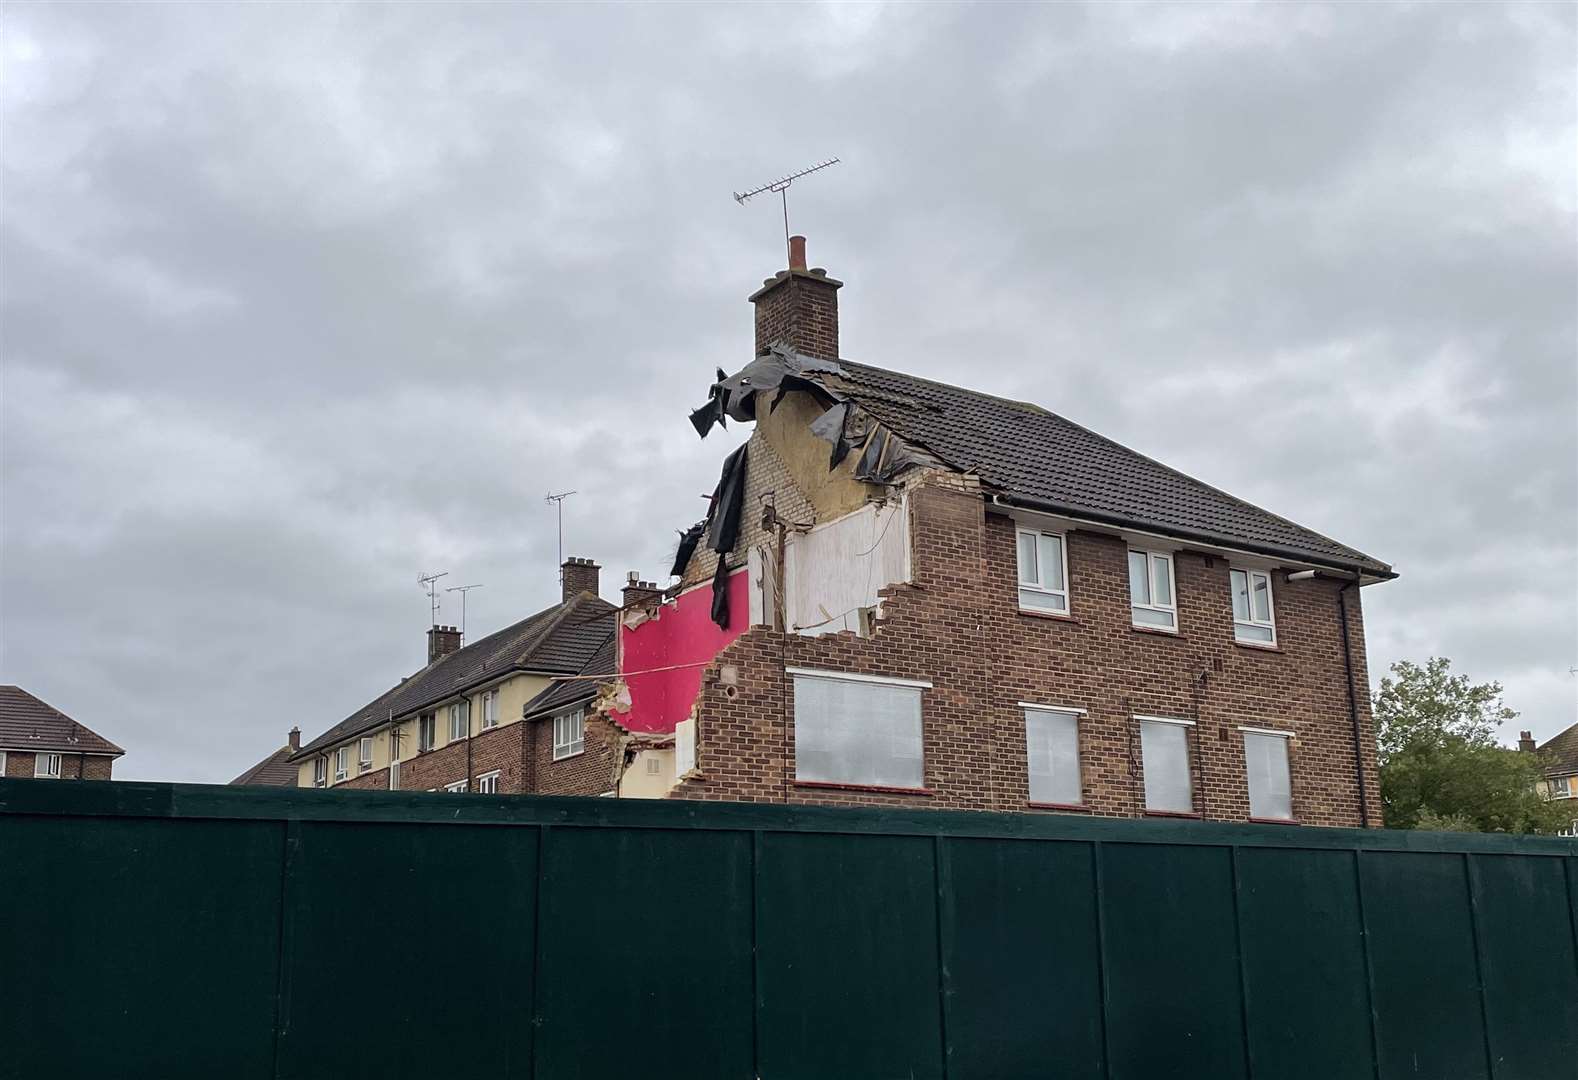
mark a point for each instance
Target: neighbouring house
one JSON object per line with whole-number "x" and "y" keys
{"x": 276, "y": 770}
{"x": 908, "y": 593}
{"x": 1559, "y": 762}
{"x": 504, "y": 714}
{"x": 38, "y": 740}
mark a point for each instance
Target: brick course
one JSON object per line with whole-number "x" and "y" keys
{"x": 21, "y": 763}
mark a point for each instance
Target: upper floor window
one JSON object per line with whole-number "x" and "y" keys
{"x": 320, "y": 771}
{"x": 426, "y": 735}
{"x": 490, "y": 709}
{"x": 1052, "y": 755}
{"x": 1270, "y": 781}
{"x": 859, "y": 730}
{"x": 569, "y": 734}
{"x": 1252, "y": 616}
{"x": 1151, "y": 595}
{"x": 1563, "y": 787}
{"x": 1164, "y": 755}
{"x": 364, "y": 753}
{"x": 342, "y": 763}
{"x": 488, "y": 783}
{"x": 459, "y": 720}
{"x": 47, "y": 766}
{"x": 1043, "y": 571}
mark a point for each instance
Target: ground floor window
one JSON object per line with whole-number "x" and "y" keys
{"x": 1052, "y": 754}
{"x": 1164, "y": 754}
{"x": 859, "y": 730}
{"x": 488, "y": 783}
{"x": 456, "y": 788}
{"x": 1270, "y": 781}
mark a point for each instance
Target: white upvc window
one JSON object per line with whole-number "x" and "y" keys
{"x": 1270, "y": 779}
{"x": 426, "y": 731}
{"x": 46, "y": 766}
{"x": 1254, "y": 621}
{"x": 394, "y": 773}
{"x": 342, "y": 763}
{"x": 1164, "y": 752}
{"x": 457, "y": 788}
{"x": 1043, "y": 571}
{"x": 1052, "y": 754}
{"x": 364, "y": 753}
{"x": 569, "y": 734}
{"x": 2, "y": 764}
{"x": 488, "y": 783}
{"x": 1563, "y": 787}
{"x": 1152, "y": 597}
{"x": 320, "y": 771}
{"x": 490, "y": 709}
{"x": 459, "y": 720}
{"x": 860, "y": 730}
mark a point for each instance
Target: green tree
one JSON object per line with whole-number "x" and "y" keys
{"x": 1441, "y": 767}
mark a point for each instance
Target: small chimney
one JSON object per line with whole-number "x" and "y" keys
{"x": 638, "y": 592}
{"x": 799, "y": 307}
{"x": 441, "y": 641}
{"x": 1526, "y": 741}
{"x": 578, "y": 576}
{"x": 295, "y": 739}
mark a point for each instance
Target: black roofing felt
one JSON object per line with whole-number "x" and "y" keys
{"x": 1025, "y": 452}
{"x": 566, "y": 692}
{"x": 557, "y": 640}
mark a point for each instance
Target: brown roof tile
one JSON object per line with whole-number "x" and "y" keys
{"x": 26, "y": 723}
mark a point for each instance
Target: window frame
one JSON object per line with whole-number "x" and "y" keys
{"x": 2, "y": 764}
{"x": 1569, "y": 787}
{"x": 364, "y": 754}
{"x": 571, "y": 745}
{"x": 459, "y": 720}
{"x": 1170, "y": 610}
{"x": 490, "y": 709}
{"x": 1287, "y": 737}
{"x": 488, "y": 783}
{"x": 40, "y": 757}
{"x": 320, "y": 771}
{"x": 342, "y": 763}
{"x": 1269, "y": 623}
{"x": 1039, "y": 585}
{"x": 426, "y": 732}
{"x": 459, "y": 787}
{"x": 1189, "y": 762}
{"x": 918, "y": 685}
{"x": 1077, "y": 716}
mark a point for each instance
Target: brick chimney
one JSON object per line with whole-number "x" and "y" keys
{"x": 578, "y": 576}
{"x": 638, "y": 592}
{"x": 1526, "y": 741}
{"x": 441, "y": 641}
{"x": 294, "y": 739}
{"x": 798, "y": 306}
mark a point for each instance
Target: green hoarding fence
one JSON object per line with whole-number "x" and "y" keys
{"x": 153, "y": 930}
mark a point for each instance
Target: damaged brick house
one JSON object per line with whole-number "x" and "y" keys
{"x": 912, "y": 594}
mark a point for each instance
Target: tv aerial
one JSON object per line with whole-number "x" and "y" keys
{"x": 780, "y": 187}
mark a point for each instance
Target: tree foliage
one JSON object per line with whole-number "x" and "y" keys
{"x": 1441, "y": 767}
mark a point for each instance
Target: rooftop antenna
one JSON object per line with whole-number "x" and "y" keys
{"x": 558, "y": 502}
{"x": 462, "y": 590}
{"x": 781, "y": 187}
{"x": 426, "y": 581}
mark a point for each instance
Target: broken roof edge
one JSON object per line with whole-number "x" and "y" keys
{"x": 1370, "y": 567}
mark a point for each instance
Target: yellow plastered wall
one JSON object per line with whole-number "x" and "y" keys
{"x": 832, "y": 492}
{"x": 639, "y": 783}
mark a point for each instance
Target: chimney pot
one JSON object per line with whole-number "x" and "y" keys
{"x": 796, "y": 253}
{"x": 295, "y": 738}
{"x": 799, "y": 308}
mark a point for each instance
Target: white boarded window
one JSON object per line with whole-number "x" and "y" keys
{"x": 684, "y": 747}
{"x": 1252, "y": 615}
{"x": 569, "y": 734}
{"x": 1043, "y": 571}
{"x": 1270, "y": 782}
{"x": 1052, "y": 753}
{"x": 1164, "y": 749}
{"x": 1151, "y": 594}
{"x": 864, "y": 731}
{"x": 490, "y": 709}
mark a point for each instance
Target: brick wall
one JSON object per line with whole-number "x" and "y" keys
{"x": 958, "y": 625}
{"x": 800, "y": 308}
{"x": 21, "y": 763}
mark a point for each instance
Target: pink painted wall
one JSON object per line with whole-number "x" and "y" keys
{"x": 683, "y": 634}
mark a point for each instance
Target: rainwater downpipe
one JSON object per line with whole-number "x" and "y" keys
{"x": 1353, "y": 698}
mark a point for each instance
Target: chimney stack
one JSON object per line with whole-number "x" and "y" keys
{"x": 638, "y": 592}
{"x": 295, "y": 739}
{"x": 798, "y": 307}
{"x": 1526, "y": 741}
{"x": 578, "y": 576}
{"x": 441, "y": 641}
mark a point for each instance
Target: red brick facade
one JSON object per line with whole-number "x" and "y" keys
{"x": 959, "y": 626}
{"x": 21, "y": 763}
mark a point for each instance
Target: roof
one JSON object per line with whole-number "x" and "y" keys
{"x": 1560, "y": 752}
{"x": 1027, "y": 453}
{"x": 273, "y": 771}
{"x": 562, "y": 693}
{"x": 28, "y": 723}
{"x": 556, "y": 641}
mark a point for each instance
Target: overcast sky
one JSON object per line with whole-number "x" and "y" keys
{"x": 301, "y": 300}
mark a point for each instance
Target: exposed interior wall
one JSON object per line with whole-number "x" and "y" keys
{"x": 683, "y": 633}
{"x": 831, "y": 493}
{"x": 649, "y": 776}
{"x": 837, "y": 569}
{"x": 767, "y": 478}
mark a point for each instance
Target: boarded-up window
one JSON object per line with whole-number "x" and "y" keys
{"x": 858, "y": 732}
{"x": 1052, "y": 753}
{"x": 1164, "y": 746}
{"x": 1270, "y": 782}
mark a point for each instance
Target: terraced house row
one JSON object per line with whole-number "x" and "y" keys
{"x": 909, "y": 593}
